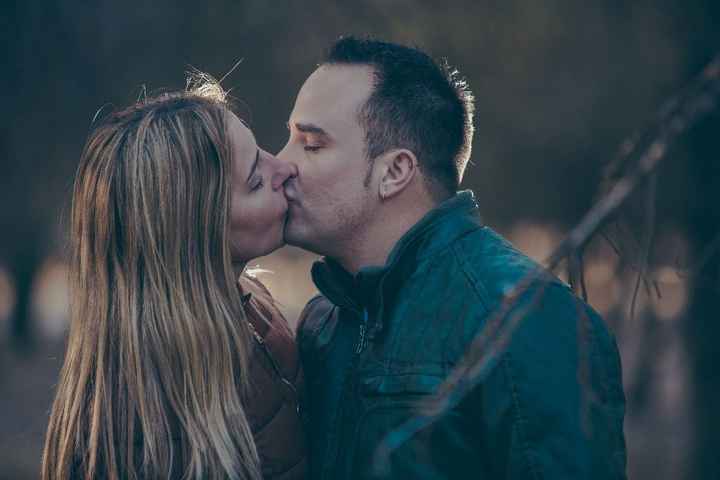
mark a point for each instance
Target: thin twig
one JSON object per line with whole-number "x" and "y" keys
{"x": 650, "y": 230}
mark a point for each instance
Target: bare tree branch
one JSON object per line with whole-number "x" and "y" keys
{"x": 650, "y": 224}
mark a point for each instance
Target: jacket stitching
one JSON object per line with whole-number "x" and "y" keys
{"x": 474, "y": 282}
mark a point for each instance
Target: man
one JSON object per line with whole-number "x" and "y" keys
{"x": 381, "y": 136}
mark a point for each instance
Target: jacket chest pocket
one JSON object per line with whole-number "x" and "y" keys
{"x": 386, "y": 403}
{"x": 401, "y": 389}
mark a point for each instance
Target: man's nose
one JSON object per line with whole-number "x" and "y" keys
{"x": 283, "y": 170}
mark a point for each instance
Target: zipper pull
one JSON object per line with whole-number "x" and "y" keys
{"x": 255, "y": 333}
{"x": 361, "y": 339}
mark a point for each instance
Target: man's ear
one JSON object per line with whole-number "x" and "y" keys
{"x": 399, "y": 167}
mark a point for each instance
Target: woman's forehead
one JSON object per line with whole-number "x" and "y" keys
{"x": 243, "y": 144}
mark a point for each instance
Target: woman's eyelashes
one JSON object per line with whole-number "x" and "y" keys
{"x": 257, "y": 183}
{"x": 312, "y": 148}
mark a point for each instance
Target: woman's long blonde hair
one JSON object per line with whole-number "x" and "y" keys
{"x": 156, "y": 362}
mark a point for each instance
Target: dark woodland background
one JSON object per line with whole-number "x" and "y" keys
{"x": 558, "y": 84}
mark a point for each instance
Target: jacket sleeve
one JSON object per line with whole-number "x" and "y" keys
{"x": 552, "y": 406}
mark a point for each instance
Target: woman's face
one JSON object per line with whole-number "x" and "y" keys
{"x": 258, "y": 207}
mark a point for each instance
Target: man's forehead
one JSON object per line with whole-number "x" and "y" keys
{"x": 334, "y": 93}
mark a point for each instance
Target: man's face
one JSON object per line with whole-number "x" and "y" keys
{"x": 328, "y": 201}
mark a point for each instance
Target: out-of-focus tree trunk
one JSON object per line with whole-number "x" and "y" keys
{"x": 703, "y": 324}
{"x": 23, "y": 268}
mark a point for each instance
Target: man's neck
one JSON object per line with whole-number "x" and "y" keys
{"x": 373, "y": 245}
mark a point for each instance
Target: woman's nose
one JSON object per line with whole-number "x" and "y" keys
{"x": 283, "y": 170}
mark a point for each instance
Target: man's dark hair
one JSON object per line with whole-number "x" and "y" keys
{"x": 415, "y": 104}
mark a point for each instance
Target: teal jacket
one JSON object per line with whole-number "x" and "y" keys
{"x": 375, "y": 347}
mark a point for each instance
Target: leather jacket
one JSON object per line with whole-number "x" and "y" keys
{"x": 376, "y": 346}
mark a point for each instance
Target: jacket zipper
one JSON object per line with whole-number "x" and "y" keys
{"x": 362, "y": 337}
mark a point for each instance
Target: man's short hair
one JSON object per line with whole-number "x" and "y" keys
{"x": 415, "y": 104}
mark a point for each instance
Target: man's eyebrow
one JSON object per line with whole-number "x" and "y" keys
{"x": 254, "y": 165}
{"x": 310, "y": 128}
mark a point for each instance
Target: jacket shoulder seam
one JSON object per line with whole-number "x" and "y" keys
{"x": 474, "y": 282}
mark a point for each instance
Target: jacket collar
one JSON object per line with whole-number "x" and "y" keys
{"x": 440, "y": 227}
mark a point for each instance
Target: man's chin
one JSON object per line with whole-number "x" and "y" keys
{"x": 288, "y": 232}
{"x": 290, "y": 239}
{"x": 304, "y": 244}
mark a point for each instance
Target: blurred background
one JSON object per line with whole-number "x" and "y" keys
{"x": 558, "y": 84}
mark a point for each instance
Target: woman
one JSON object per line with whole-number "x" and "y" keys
{"x": 174, "y": 368}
